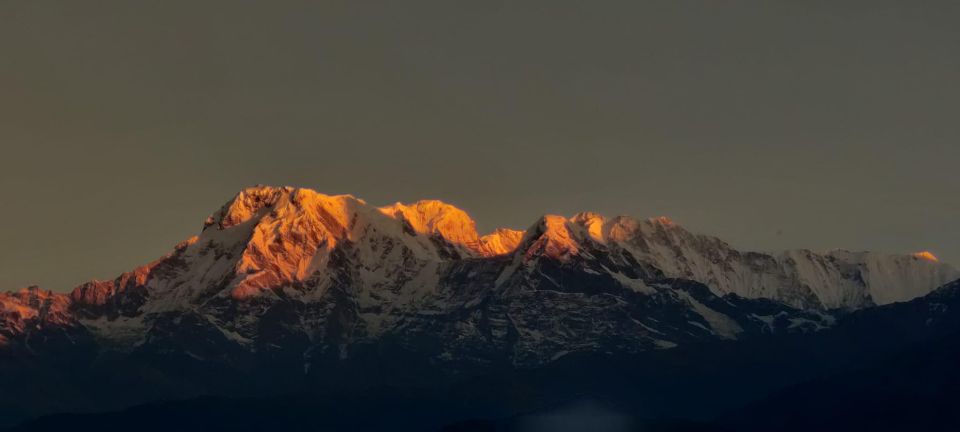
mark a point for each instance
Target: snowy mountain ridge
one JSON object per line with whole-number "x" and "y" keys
{"x": 802, "y": 278}
{"x": 295, "y": 272}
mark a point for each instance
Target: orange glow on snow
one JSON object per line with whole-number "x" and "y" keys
{"x": 663, "y": 220}
{"x": 926, "y": 255}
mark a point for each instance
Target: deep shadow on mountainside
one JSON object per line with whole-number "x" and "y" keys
{"x": 917, "y": 388}
{"x": 296, "y": 308}
{"x": 886, "y": 368}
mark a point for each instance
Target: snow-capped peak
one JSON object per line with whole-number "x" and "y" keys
{"x": 798, "y": 277}
{"x": 593, "y": 223}
{"x": 268, "y": 241}
{"x": 552, "y": 236}
{"x": 334, "y": 271}
{"x": 926, "y": 255}
{"x": 501, "y": 242}
{"x": 433, "y": 217}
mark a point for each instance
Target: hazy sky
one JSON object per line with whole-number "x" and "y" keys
{"x": 815, "y": 124}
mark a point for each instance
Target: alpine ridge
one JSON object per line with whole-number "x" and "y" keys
{"x": 269, "y": 244}
{"x": 284, "y": 287}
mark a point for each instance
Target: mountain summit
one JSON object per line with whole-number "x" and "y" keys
{"x": 277, "y": 244}
{"x": 272, "y": 237}
{"x": 293, "y": 286}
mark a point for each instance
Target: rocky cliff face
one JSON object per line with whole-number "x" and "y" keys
{"x": 293, "y": 274}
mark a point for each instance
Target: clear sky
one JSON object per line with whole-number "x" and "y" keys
{"x": 771, "y": 124}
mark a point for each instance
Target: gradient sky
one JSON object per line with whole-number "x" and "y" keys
{"x": 773, "y": 125}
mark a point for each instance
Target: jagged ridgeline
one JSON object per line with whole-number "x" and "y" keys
{"x": 285, "y": 289}
{"x": 331, "y": 272}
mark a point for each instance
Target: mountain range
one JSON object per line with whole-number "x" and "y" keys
{"x": 286, "y": 291}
